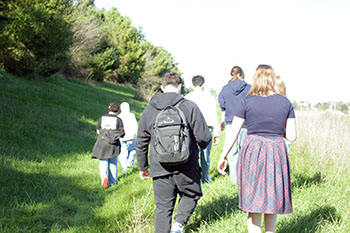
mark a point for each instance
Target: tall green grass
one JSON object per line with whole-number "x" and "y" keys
{"x": 49, "y": 183}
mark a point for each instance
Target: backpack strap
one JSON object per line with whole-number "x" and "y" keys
{"x": 180, "y": 102}
{"x": 177, "y": 106}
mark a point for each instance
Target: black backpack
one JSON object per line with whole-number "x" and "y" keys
{"x": 171, "y": 138}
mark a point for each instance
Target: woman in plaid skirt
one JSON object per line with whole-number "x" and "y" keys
{"x": 263, "y": 173}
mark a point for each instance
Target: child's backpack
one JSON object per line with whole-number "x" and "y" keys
{"x": 171, "y": 138}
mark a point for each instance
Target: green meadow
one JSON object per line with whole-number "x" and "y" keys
{"x": 49, "y": 183}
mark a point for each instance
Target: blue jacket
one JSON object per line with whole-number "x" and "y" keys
{"x": 230, "y": 97}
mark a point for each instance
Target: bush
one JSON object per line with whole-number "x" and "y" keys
{"x": 105, "y": 62}
{"x": 36, "y": 36}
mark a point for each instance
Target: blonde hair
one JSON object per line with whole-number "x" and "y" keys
{"x": 263, "y": 81}
{"x": 280, "y": 86}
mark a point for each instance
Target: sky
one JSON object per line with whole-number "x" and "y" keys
{"x": 307, "y": 42}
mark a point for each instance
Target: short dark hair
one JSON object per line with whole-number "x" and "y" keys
{"x": 171, "y": 78}
{"x": 198, "y": 80}
{"x": 113, "y": 107}
{"x": 237, "y": 73}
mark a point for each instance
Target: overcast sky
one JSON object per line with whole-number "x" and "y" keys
{"x": 307, "y": 42}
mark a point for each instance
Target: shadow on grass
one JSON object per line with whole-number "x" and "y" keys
{"x": 131, "y": 170}
{"x": 52, "y": 123}
{"x": 39, "y": 202}
{"x": 300, "y": 180}
{"x": 309, "y": 223}
{"x": 216, "y": 175}
{"x": 214, "y": 210}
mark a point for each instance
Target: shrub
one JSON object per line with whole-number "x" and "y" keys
{"x": 35, "y": 37}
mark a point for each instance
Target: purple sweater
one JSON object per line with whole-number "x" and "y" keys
{"x": 265, "y": 115}
{"x": 230, "y": 97}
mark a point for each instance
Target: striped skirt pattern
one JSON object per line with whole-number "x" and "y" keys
{"x": 264, "y": 176}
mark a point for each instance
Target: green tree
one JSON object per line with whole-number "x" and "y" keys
{"x": 92, "y": 56}
{"x": 128, "y": 40}
{"x": 35, "y": 36}
{"x": 213, "y": 92}
{"x": 343, "y": 107}
{"x": 295, "y": 105}
{"x": 158, "y": 62}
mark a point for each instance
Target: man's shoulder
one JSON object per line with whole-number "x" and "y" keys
{"x": 198, "y": 95}
{"x": 190, "y": 104}
{"x": 190, "y": 96}
{"x": 190, "y": 109}
{"x": 146, "y": 111}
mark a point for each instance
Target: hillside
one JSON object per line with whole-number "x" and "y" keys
{"x": 48, "y": 180}
{"x": 49, "y": 183}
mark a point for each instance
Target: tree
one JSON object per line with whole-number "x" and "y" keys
{"x": 343, "y": 107}
{"x": 295, "y": 105}
{"x": 158, "y": 62}
{"x": 128, "y": 40}
{"x": 36, "y": 35}
{"x": 92, "y": 56}
{"x": 213, "y": 92}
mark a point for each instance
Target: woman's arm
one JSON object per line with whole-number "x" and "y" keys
{"x": 222, "y": 123}
{"x": 291, "y": 134}
{"x": 237, "y": 124}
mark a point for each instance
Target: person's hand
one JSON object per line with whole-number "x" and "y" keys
{"x": 216, "y": 140}
{"x": 222, "y": 125}
{"x": 144, "y": 175}
{"x": 222, "y": 165}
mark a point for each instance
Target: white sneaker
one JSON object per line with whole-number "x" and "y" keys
{"x": 177, "y": 228}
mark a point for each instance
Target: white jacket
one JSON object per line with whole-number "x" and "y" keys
{"x": 207, "y": 104}
{"x": 129, "y": 122}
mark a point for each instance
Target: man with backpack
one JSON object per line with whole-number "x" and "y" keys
{"x": 174, "y": 128}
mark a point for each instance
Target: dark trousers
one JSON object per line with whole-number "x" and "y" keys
{"x": 166, "y": 188}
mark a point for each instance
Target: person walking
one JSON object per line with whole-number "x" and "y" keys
{"x": 263, "y": 165}
{"x": 281, "y": 89}
{"x": 107, "y": 147}
{"x": 181, "y": 180}
{"x": 127, "y": 143}
{"x": 229, "y": 98}
{"x": 207, "y": 104}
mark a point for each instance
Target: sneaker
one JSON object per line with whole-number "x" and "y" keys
{"x": 177, "y": 228}
{"x": 105, "y": 183}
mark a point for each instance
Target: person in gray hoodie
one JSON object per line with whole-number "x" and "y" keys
{"x": 127, "y": 143}
{"x": 230, "y": 97}
{"x": 171, "y": 181}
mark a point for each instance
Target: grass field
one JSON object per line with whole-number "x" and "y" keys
{"x": 49, "y": 183}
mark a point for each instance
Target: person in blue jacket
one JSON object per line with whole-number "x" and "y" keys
{"x": 229, "y": 98}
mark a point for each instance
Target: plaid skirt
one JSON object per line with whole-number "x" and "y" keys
{"x": 263, "y": 176}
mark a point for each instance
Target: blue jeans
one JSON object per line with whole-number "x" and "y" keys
{"x": 109, "y": 168}
{"x": 127, "y": 154}
{"x": 233, "y": 155}
{"x": 205, "y": 162}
